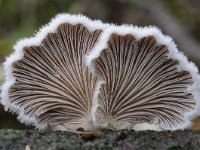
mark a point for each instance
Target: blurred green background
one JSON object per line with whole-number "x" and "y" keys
{"x": 177, "y": 18}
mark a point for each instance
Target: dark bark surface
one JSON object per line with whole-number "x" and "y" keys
{"x": 99, "y": 140}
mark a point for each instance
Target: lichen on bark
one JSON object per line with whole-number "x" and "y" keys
{"x": 125, "y": 139}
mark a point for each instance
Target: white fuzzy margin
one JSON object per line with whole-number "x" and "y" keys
{"x": 36, "y": 41}
{"x": 140, "y": 32}
{"x": 95, "y": 101}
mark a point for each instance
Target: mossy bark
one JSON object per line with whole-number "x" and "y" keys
{"x": 117, "y": 140}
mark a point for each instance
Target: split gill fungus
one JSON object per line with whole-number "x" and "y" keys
{"x": 79, "y": 73}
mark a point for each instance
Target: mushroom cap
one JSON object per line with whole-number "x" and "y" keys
{"x": 47, "y": 83}
{"x": 146, "y": 80}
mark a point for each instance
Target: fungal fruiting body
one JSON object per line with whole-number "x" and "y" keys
{"x": 81, "y": 73}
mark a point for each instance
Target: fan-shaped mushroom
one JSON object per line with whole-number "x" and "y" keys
{"x": 47, "y": 82}
{"x": 81, "y": 73}
{"x": 147, "y": 80}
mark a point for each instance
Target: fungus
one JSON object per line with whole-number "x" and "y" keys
{"x": 146, "y": 80}
{"x": 47, "y": 83}
{"x": 82, "y": 74}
